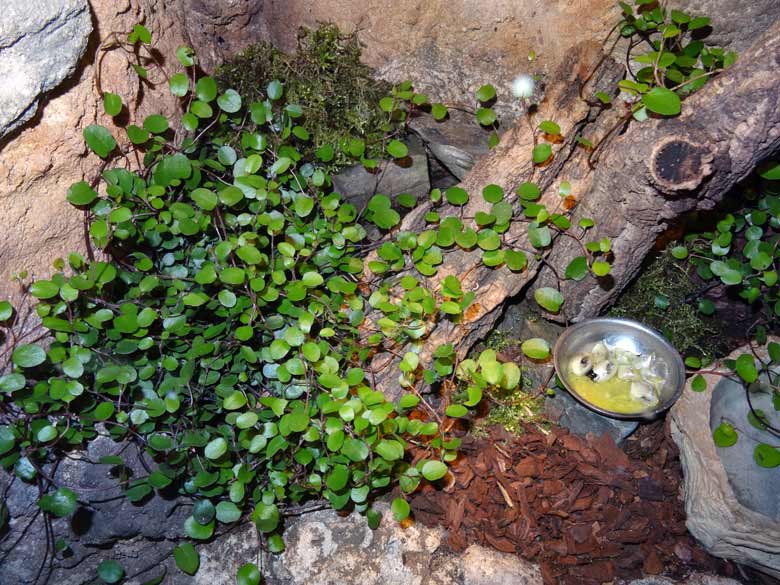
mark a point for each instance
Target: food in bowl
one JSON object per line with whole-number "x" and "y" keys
{"x": 616, "y": 379}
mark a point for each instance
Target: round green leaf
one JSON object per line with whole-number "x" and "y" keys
{"x": 216, "y": 448}
{"x": 198, "y": 531}
{"x": 549, "y": 127}
{"x": 44, "y": 289}
{"x": 136, "y": 134}
{"x": 156, "y": 124}
{"x": 456, "y": 196}
{"x": 456, "y": 411}
{"x": 541, "y": 153}
{"x": 187, "y": 558}
{"x": 577, "y": 269}
{"x": 185, "y": 55}
{"x": 400, "y": 509}
{"x": 493, "y": 193}
{"x": 662, "y": 101}
{"x": 725, "y": 435}
{"x": 11, "y": 383}
{"x": 179, "y": 84}
{"x": 206, "y": 89}
{"x": 397, "y": 149}
{"x": 536, "y": 348}
{"x": 228, "y": 512}
{"x": 275, "y": 90}
{"x": 698, "y": 384}
{"x": 110, "y": 571}
{"x": 46, "y": 434}
{"x": 99, "y": 140}
{"x": 529, "y": 191}
{"x": 486, "y": 93}
{"x": 229, "y": 101}
{"x": 549, "y": 299}
{"x": 766, "y": 455}
{"x": 28, "y": 356}
{"x": 61, "y": 502}
{"x": 248, "y": 574}
{"x": 266, "y": 517}
{"x": 112, "y": 103}
{"x": 434, "y": 470}
{"x": 6, "y": 310}
{"x": 203, "y": 511}
{"x": 81, "y": 193}
{"x": 389, "y": 449}
{"x": 486, "y": 116}
{"x": 745, "y": 367}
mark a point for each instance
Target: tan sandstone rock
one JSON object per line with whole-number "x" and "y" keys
{"x": 716, "y": 510}
{"x": 41, "y": 161}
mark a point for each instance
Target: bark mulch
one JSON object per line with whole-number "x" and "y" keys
{"x": 584, "y": 509}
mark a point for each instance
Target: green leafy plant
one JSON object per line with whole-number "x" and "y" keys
{"x": 224, "y": 330}
{"x": 740, "y": 254}
{"x": 226, "y": 327}
{"x": 679, "y": 62}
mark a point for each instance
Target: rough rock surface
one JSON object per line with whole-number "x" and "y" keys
{"x": 142, "y": 534}
{"x": 326, "y": 549}
{"x": 582, "y": 421}
{"x": 457, "y": 143}
{"x": 407, "y": 175}
{"x": 449, "y": 49}
{"x": 735, "y": 23}
{"x": 38, "y": 49}
{"x": 724, "y": 526}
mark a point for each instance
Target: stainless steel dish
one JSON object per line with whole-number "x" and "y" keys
{"x": 631, "y": 336}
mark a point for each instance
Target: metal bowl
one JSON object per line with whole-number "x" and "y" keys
{"x": 631, "y": 336}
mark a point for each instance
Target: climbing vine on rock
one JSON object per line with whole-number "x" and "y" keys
{"x": 226, "y": 323}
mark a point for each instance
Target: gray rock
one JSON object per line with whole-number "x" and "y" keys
{"x": 136, "y": 535}
{"x": 40, "y": 45}
{"x": 457, "y": 143}
{"x": 755, "y": 487}
{"x": 735, "y": 23}
{"x": 581, "y": 420}
{"x": 714, "y": 499}
{"x": 409, "y": 175}
{"x": 324, "y": 548}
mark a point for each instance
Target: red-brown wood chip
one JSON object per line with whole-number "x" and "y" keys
{"x": 586, "y": 510}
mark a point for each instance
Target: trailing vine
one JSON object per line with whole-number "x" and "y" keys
{"x": 224, "y": 328}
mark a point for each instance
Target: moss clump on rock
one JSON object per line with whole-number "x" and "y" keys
{"x": 339, "y": 94}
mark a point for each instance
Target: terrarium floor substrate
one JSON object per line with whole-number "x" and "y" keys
{"x": 587, "y": 511}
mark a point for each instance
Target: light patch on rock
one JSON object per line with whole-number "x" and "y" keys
{"x": 324, "y": 548}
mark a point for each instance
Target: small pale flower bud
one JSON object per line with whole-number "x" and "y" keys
{"x": 523, "y": 86}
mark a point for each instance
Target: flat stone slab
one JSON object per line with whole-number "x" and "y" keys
{"x": 581, "y": 420}
{"x": 41, "y": 43}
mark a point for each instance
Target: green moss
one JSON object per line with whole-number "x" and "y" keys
{"x": 324, "y": 75}
{"x": 513, "y": 412}
{"x": 660, "y": 296}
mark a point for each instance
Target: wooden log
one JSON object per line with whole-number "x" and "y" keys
{"x": 652, "y": 174}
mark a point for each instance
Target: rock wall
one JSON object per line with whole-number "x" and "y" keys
{"x": 39, "y": 161}
{"x": 448, "y": 48}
